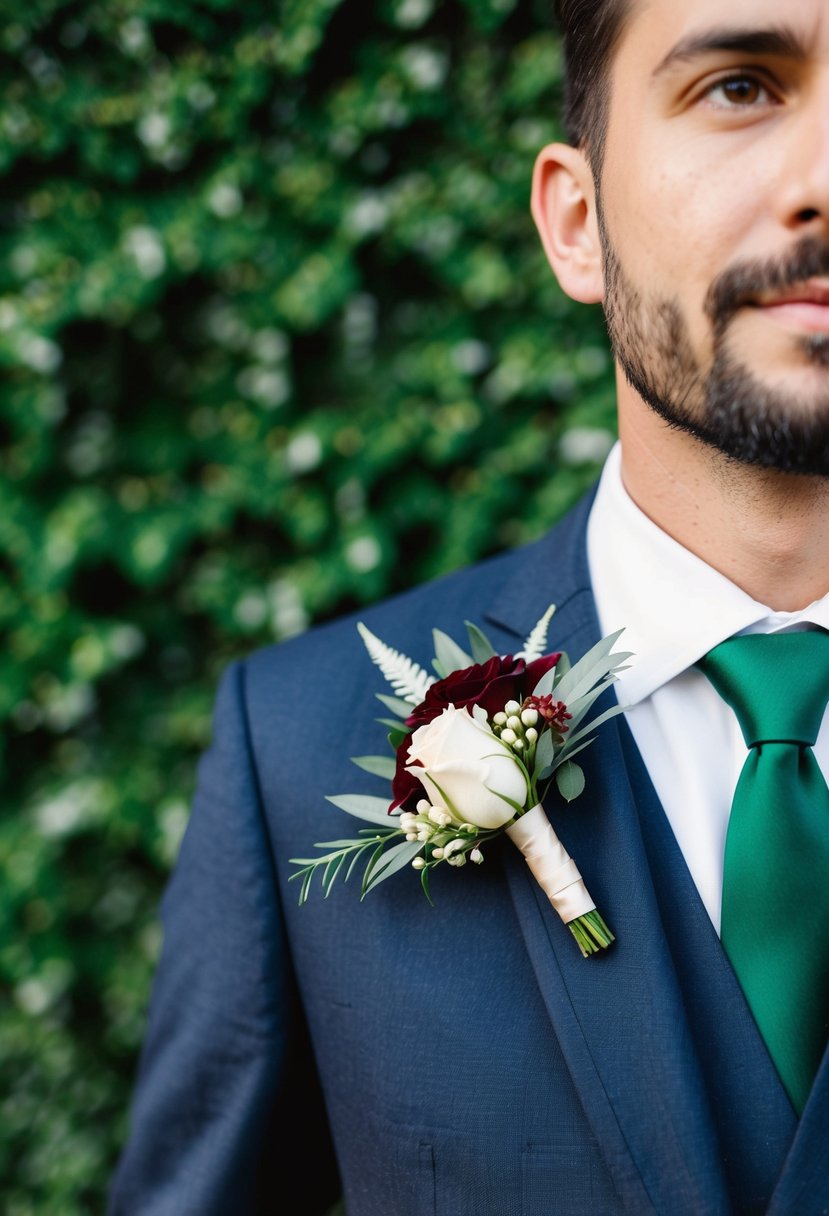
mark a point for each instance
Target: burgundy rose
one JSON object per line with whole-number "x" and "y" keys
{"x": 489, "y": 684}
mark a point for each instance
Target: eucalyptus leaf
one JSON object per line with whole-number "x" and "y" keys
{"x": 570, "y": 780}
{"x": 379, "y": 766}
{"x": 594, "y": 724}
{"x": 562, "y": 757}
{"x": 397, "y": 705}
{"x": 482, "y": 648}
{"x": 545, "y": 685}
{"x": 579, "y": 707}
{"x": 363, "y": 806}
{"x": 448, "y": 654}
{"x": 395, "y": 724}
{"x": 591, "y": 667}
{"x": 543, "y": 753}
{"x": 578, "y": 683}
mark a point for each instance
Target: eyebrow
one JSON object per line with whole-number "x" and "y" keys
{"x": 778, "y": 40}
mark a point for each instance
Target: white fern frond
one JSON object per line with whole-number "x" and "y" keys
{"x": 536, "y": 643}
{"x": 408, "y": 680}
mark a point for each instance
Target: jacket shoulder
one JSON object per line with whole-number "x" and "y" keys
{"x": 301, "y": 695}
{"x": 405, "y": 621}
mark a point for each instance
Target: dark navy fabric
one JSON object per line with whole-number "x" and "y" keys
{"x": 455, "y": 1060}
{"x": 754, "y": 1117}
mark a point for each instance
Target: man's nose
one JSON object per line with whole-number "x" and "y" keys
{"x": 803, "y": 198}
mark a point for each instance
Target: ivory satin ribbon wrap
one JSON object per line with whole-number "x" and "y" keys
{"x": 552, "y": 866}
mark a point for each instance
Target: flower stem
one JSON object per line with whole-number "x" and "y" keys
{"x": 591, "y": 933}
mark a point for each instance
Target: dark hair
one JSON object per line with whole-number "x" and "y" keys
{"x": 591, "y": 29}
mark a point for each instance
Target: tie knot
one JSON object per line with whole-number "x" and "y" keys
{"x": 776, "y": 683}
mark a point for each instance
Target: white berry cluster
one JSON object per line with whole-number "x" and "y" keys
{"x": 443, "y": 837}
{"x": 516, "y": 727}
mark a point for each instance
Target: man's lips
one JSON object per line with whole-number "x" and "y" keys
{"x": 803, "y": 306}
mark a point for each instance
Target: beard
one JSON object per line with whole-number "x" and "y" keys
{"x": 725, "y": 406}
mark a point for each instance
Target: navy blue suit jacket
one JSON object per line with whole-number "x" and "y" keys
{"x": 456, "y": 1059}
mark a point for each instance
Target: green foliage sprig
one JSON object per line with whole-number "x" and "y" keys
{"x": 536, "y": 738}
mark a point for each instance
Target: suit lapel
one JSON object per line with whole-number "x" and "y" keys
{"x": 803, "y": 1187}
{"x": 619, "y": 1018}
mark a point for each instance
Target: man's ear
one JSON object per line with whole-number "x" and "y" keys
{"x": 564, "y": 209}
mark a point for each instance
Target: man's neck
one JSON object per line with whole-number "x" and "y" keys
{"x": 768, "y": 532}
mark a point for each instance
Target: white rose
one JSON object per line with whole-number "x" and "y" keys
{"x": 460, "y": 754}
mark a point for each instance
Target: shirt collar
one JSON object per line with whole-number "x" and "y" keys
{"x": 672, "y": 606}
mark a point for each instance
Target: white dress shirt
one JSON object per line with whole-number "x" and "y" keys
{"x": 674, "y": 608}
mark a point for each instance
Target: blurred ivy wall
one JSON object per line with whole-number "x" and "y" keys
{"x": 277, "y": 339}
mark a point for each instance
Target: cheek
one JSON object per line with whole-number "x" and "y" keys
{"x": 699, "y": 206}
{"x": 678, "y": 222}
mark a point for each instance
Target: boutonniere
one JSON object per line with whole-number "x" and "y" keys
{"x": 475, "y": 751}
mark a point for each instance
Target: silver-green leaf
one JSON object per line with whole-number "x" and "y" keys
{"x": 449, "y": 655}
{"x": 364, "y": 806}
{"x": 379, "y": 766}
{"x": 396, "y": 704}
{"x": 570, "y": 780}
{"x": 482, "y": 648}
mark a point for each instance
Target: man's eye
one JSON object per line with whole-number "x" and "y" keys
{"x": 738, "y": 92}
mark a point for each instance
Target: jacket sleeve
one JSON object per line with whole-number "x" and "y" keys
{"x": 227, "y": 1087}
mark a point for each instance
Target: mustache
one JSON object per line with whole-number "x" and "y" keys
{"x": 744, "y": 282}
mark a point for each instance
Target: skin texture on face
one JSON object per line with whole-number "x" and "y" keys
{"x": 726, "y": 406}
{"x": 713, "y": 218}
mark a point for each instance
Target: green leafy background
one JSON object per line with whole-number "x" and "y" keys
{"x": 278, "y": 338}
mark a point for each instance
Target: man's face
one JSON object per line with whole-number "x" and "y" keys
{"x": 714, "y": 212}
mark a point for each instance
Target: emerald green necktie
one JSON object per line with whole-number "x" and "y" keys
{"x": 775, "y": 904}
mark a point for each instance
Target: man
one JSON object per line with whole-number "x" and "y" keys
{"x": 465, "y": 1058}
